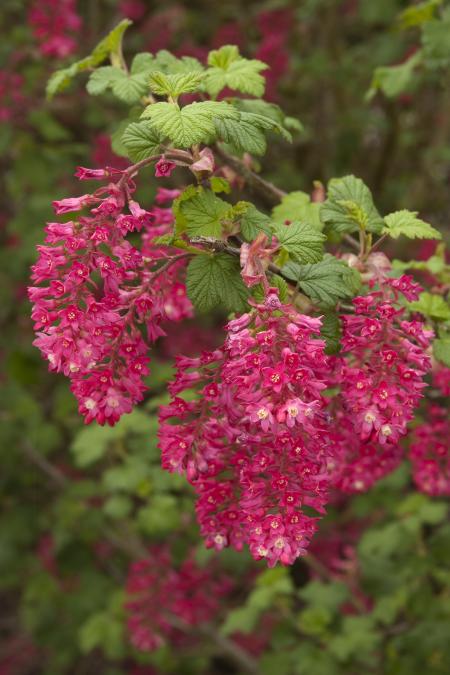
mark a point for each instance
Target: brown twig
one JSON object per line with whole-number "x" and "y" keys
{"x": 132, "y": 170}
{"x": 268, "y": 191}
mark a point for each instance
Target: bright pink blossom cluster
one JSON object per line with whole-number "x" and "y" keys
{"x": 430, "y": 442}
{"x": 55, "y": 24}
{"x": 99, "y": 301}
{"x": 257, "y": 442}
{"x": 12, "y": 97}
{"x": 381, "y": 379}
{"x": 164, "y": 601}
{"x": 430, "y": 453}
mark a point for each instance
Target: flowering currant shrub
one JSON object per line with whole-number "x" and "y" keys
{"x": 328, "y": 346}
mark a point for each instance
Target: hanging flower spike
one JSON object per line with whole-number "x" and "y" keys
{"x": 256, "y": 443}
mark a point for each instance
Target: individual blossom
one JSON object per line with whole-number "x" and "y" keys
{"x": 99, "y": 301}
{"x": 164, "y": 168}
{"x": 205, "y": 161}
{"x": 256, "y": 442}
{"x": 164, "y": 601}
{"x": 254, "y": 259}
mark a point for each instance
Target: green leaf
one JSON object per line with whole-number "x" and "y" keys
{"x": 141, "y": 140}
{"x": 118, "y": 506}
{"x": 130, "y": 88}
{"x": 431, "y": 306}
{"x": 203, "y": 214}
{"x": 175, "y": 85}
{"x": 325, "y": 282}
{"x": 358, "y": 637}
{"x": 109, "y": 46}
{"x": 394, "y": 80}
{"x": 260, "y": 107}
{"x": 253, "y": 222}
{"x": 214, "y": 282}
{"x": 128, "y": 476}
{"x": 102, "y": 79}
{"x": 92, "y": 442}
{"x": 229, "y": 69}
{"x": 302, "y": 241}
{"x": 406, "y": 222}
{"x": 388, "y": 607}
{"x": 219, "y": 184}
{"x": 418, "y": 14}
{"x": 168, "y": 63}
{"x": 127, "y": 88}
{"x": 441, "y": 351}
{"x": 142, "y": 63}
{"x": 223, "y": 57}
{"x": 315, "y": 620}
{"x": 328, "y": 595}
{"x": 435, "y": 41}
{"x": 242, "y": 135}
{"x": 298, "y": 206}
{"x": 189, "y": 125}
{"x": 160, "y": 516}
{"x": 117, "y": 145}
{"x": 331, "y": 332}
{"x": 350, "y": 206}
{"x": 103, "y": 630}
{"x": 247, "y": 132}
{"x": 268, "y": 589}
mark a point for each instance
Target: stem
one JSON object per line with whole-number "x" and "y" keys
{"x": 170, "y": 154}
{"x": 378, "y": 243}
{"x": 268, "y": 191}
{"x": 352, "y": 241}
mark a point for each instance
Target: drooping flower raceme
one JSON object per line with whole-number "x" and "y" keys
{"x": 256, "y": 443}
{"x": 430, "y": 442}
{"x": 381, "y": 379}
{"x": 99, "y": 301}
{"x": 430, "y": 453}
{"x": 164, "y": 602}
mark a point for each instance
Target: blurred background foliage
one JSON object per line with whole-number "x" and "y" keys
{"x": 369, "y": 82}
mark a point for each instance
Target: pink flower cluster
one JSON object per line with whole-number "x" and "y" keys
{"x": 430, "y": 453}
{"x": 95, "y": 291}
{"x": 12, "y": 97}
{"x": 257, "y": 442}
{"x": 381, "y": 381}
{"x": 55, "y": 24}
{"x": 275, "y": 27}
{"x": 162, "y": 599}
{"x": 430, "y": 442}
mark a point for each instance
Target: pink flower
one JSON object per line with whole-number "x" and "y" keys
{"x": 90, "y": 174}
{"x": 164, "y": 168}
{"x": 205, "y": 163}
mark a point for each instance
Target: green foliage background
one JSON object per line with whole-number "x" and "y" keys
{"x": 99, "y": 493}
